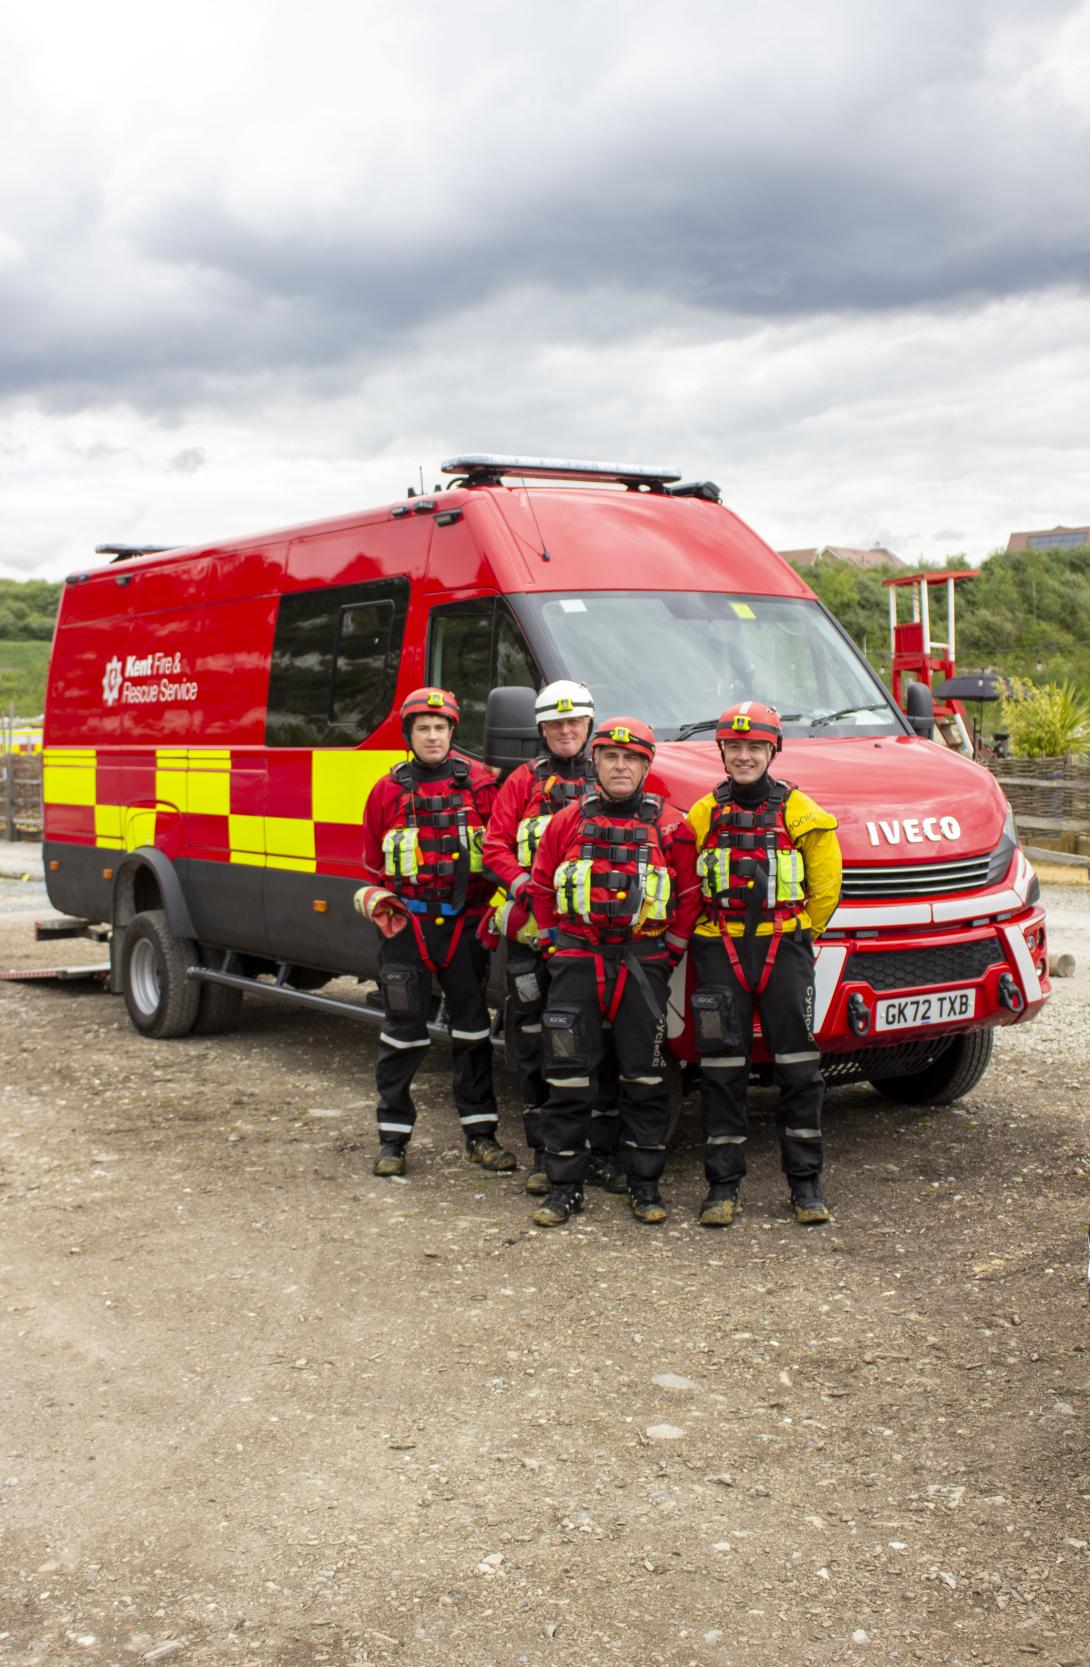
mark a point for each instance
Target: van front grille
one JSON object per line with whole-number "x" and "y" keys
{"x": 924, "y": 879}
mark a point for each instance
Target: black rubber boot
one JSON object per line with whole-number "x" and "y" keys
{"x": 721, "y": 1206}
{"x": 647, "y": 1206}
{"x": 390, "y": 1160}
{"x": 537, "y": 1182}
{"x": 561, "y": 1203}
{"x": 604, "y": 1171}
{"x": 488, "y": 1152}
{"x": 807, "y": 1202}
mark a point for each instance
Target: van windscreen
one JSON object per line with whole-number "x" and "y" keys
{"x": 677, "y": 658}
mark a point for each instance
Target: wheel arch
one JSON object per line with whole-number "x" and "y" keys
{"x": 146, "y": 879}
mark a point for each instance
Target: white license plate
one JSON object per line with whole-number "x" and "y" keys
{"x": 909, "y": 1012}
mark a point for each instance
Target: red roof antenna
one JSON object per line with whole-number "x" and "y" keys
{"x": 917, "y": 657}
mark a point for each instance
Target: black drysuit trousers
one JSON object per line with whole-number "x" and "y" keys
{"x": 574, "y": 1039}
{"x": 528, "y": 979}
{"x": 406, "y": 994}
{"x": 786, "y": 1007}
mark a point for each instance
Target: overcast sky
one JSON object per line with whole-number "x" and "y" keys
{"x": 259, "y": 263}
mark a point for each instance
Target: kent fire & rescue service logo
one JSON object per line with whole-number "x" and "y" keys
{"x": 111, "y": 681}
{"x": 157, "y": 678}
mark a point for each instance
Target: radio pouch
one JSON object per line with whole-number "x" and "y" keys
{"x": 562, "y": 1041}
{"x": 715, "y": 1020}
{"x": 399, "y": 990}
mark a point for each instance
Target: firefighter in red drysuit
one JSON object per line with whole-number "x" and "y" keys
{"x": 759, "y": 862}
{"x": 423, "y": 830}
{"x": 531, "y": 794}
{"x": 601, "y": 886}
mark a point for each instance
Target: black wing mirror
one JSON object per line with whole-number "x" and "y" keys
{"x": 920, "y": 709}
{"x": 510, "y": 728}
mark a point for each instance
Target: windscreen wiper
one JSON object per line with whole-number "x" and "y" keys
{"x": 846, "y": 712}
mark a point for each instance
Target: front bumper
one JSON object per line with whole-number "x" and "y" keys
{"x": 1004, "y": 963}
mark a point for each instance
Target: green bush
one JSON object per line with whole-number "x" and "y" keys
{"x": 1045, "y": 722}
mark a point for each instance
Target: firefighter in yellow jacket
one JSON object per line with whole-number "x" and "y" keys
{"x": 759, "y": 868}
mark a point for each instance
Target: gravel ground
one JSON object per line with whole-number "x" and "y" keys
{"x": 258, "y": 1408}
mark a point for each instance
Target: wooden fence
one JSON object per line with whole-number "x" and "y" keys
{"x": 1049, "y": 796}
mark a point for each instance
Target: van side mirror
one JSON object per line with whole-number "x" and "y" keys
{"x": 510, "y": 729}
{"x": 920, "y": 709}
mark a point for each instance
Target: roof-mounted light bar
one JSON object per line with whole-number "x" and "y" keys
{"x": 485, "y": 469}
{"x": 706, "y": 489}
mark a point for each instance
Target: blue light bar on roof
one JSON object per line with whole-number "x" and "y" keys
{"x": 554, "y": 468}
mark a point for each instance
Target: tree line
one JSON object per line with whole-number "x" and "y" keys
{"x": 1024, "y": 615}
{"x": 28, "y": 608}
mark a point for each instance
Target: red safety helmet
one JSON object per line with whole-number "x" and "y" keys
{"x": 751, "y": 721}
{"x": 625, "y": 732}
{"x": 429, "y": 702}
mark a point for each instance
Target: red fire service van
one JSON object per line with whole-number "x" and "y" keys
{"x": 217, "y": 716}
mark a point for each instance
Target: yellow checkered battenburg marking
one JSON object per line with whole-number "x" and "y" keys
{"x": 197, "y": 782}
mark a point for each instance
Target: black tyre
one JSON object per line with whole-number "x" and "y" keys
{"x": 219, "y": 1009}
{"x": 161, "y": 1000}
{"x": 947, "y": 1078}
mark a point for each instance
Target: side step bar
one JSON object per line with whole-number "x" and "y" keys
{"x": 438, "y": 1029}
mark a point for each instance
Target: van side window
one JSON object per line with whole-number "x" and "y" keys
{"x": 334, "y": 663}
{"x": 474, "y": 647}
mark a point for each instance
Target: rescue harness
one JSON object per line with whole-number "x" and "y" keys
{"x": 552, "y": 792}
{"x": 433, "y": 850}
{"x": 750, "y": 871}
{"x": 620, "y": 880}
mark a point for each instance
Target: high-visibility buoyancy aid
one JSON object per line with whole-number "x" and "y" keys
{"x": 552, "y": 791}
{"x": 433, "y": 848}
{"x": 620, "y": 881}
{"x": 749, "y": 869}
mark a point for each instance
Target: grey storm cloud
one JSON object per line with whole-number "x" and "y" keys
{"x": 187, "y": 461}
{"x": 885, "y": 159}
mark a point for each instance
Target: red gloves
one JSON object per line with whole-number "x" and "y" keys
{"x": 385, "y": 910}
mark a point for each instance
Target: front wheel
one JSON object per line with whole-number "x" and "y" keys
{"x": 162, "y": 1001}
{"x": 957, "y": 1070}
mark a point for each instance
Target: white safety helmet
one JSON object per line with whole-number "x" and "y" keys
{"x": 563, "y": 699}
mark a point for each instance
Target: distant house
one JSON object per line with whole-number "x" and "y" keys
{"x": 1058, "y": 538}
{"x": 878, "y": 556}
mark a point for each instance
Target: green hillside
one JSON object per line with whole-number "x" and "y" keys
{"x": 1024, "y": 616}
{"x": 23, "y": 666}
{"x": 28, "y": 608}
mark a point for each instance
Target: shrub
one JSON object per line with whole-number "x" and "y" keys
{"x": 1045, "y": 722}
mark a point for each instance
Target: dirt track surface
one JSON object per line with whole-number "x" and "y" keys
{"x": 258, "y": 1408}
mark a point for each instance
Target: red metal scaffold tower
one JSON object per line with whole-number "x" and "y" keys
{"x": 917, "y": 657}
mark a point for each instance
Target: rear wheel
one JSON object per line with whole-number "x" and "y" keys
{"x": 957, "y": 1070}
{"x": 219, "y": 1009}
{"x": 161, "y": 1000}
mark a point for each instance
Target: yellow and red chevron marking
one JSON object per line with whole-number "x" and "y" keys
{"x": 293, "y": 810}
